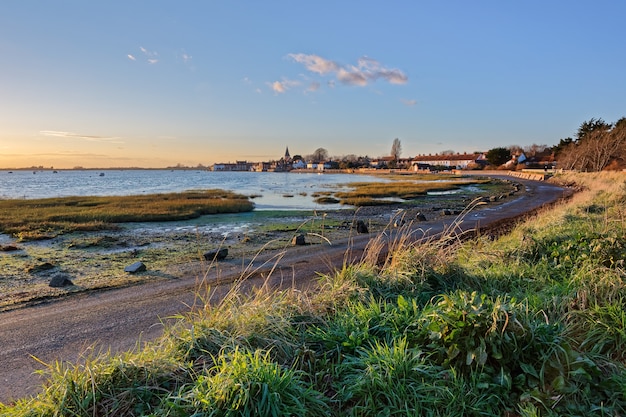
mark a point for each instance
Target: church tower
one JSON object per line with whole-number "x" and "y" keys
{"x": 287, "y": 156}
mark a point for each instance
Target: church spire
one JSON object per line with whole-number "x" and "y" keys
{"x": 287, "y": 156}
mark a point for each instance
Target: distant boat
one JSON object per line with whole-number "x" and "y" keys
{"x": 55, "y": 172}
{"x": 102, "y": 174}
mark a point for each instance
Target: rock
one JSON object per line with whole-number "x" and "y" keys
{"x": 446, "y": 212}
{"x": 136, "y": 267}
{"x": 8, "y": 248}
{"x": 361, "y": 227}
{"x": 60, "y": 281}
{"x": 420, "y": 217}
{"x": 298, "y": 240}
{"x": 216, "y": 255}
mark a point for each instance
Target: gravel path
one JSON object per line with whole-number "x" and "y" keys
{"x": 121, "y": 319}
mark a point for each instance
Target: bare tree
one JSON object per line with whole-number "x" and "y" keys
{"x": 319, "y": 155}
{"x": 534, "y": 149}
{"x": 515, "y": 149}
{"x": 598, "y": 143}
{"x": 396, "y": 149}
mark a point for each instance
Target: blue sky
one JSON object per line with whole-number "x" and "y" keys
{"x": 155, "y": 83}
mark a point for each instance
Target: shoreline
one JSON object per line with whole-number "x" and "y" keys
{"x": 84, "y": 261}
{"x": 95, "y": 260}
{"x": 120, "y": 319}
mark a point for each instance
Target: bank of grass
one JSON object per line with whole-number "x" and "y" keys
{"x": 529, "y": 324}
{"x": 382, "y": 193}
{"x": 49, "y": 217}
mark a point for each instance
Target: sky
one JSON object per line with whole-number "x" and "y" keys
{"x": 159, "y": 83}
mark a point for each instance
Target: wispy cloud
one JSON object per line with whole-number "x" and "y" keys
{"x": 409, "y": 103}
{"x": 315, "y": 63}
{"x": 364, "y": 72}
{"x": 151, "y": 57}
{"x": 280, "y": 87}
{"x": 88, "y": 138}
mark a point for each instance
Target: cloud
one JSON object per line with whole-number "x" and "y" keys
{"x": 315, "y": 63}
{"x": 409, "y": 103}
{"x": 280, "y": 87}
{"x": 88, "y": 138}
{"x": 366, "y": 70}
{"x": 352, "y": 77}
{"x": 150, "y": 56}
{"x": 146, "y": 52}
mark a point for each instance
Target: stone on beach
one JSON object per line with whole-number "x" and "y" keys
{"x": 60, "y": 281}
{"x": 136, "y": 267}
{"x": 361, "y": 227}
{"x": 216, "y": 255}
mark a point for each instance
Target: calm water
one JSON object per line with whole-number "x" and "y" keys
{"x": 274, "y": 190}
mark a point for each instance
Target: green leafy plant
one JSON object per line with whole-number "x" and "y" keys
{"x": 250, "y": 384}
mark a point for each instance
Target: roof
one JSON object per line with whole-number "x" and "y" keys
{"x": 449, "y": 157}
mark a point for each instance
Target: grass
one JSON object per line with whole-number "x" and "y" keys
{"x": 528, "y": 324}
{"x": 46, "y": 218}
{"x": 401, "y": 189}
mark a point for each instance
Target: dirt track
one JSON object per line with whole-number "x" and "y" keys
{"x": 119, "y": 319}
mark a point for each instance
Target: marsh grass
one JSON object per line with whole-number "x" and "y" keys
{"x": 360, "y": 194}
{"x": 377, "y": 193}
{"x": 510, "y": 326}
{"x": 46, "y": 218}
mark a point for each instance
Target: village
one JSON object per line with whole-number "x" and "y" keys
{"x": 543, "y": 159}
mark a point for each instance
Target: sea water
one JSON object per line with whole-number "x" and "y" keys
{"x": 269, "y": 190}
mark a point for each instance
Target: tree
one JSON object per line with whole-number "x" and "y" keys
{"x": 593, "y": 125}
{"x": 320, "y": 155}
{"x": 535, "y": 149}
{"x": 597, "y": 144}
{"x": 498, "y": 156}
{"x": 396, "y": 149}
{"x": 562, "y": 145}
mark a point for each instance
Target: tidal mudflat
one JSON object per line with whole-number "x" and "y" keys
{"x": 96, "y": 259}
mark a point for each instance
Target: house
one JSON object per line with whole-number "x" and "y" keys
{"x": 237, "y": 166}
{"x": 451, "y": 161}
{"x": 320, "y": 166}
{"x": 298, "y": 164}
{"x": 382, "y": 162}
